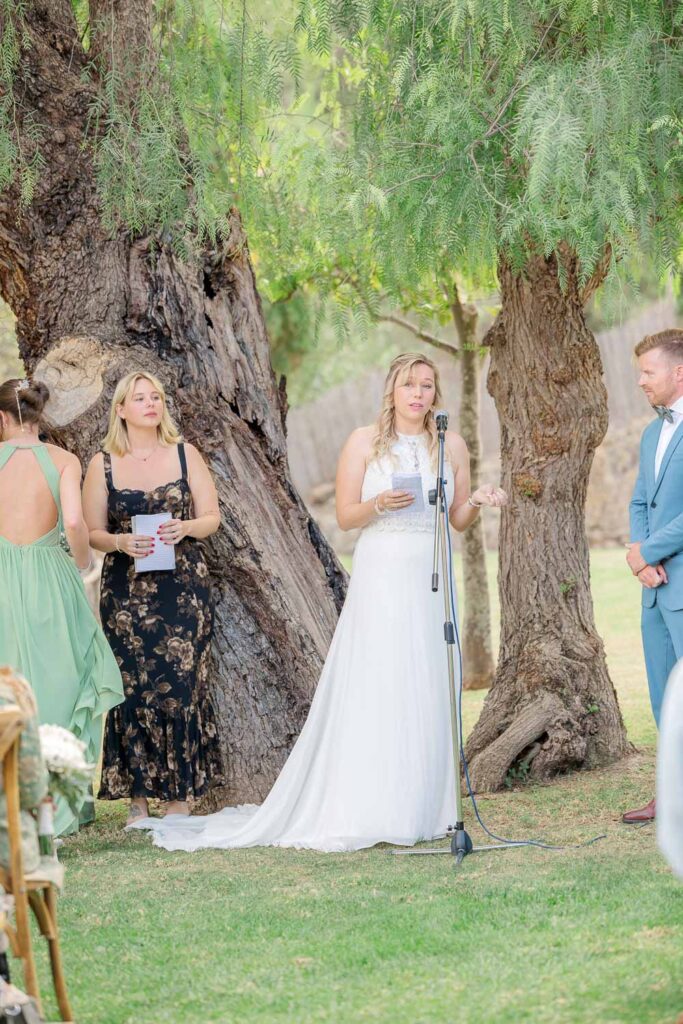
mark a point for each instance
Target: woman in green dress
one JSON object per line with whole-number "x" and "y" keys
{"x": 48, "y": 631}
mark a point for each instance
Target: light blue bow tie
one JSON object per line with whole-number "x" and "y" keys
{"x": 664, "y": 413}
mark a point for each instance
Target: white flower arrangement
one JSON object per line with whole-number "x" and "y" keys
{"x": 70, "y": 775}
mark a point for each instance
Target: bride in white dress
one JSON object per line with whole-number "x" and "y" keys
{"x": 374, "y": 762}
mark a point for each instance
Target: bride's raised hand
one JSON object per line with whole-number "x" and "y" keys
{"x": 391, "y": 501}
{"x": 494, "y": 497}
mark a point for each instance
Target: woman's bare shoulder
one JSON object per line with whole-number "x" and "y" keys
{"x": 456, "y": 444}
{"x": 96, "y": 464}
{"x": 62, "y": 458}
{"x": 361, "y": 438}
{"x": 192, "y": 453}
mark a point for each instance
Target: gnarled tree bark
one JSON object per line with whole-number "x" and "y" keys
{"x": 91, "y": 307}
{"x": 552, "y": 706}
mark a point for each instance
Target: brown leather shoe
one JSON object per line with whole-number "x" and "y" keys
{"x": 646, "y": 813}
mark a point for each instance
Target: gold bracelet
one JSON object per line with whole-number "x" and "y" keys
{"x": 117, "y": 535}
{"x": 473, "y": 504}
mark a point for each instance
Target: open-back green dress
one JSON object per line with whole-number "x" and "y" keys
{"x": 50, "y": 635}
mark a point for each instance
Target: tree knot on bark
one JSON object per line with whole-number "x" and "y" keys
{"x": 562, "y": 375}
{"x": 568, "y": 585}
{"x": 74, "y": 372}
{"x": 495, "y": 336}
{"x": 548, "y": 445}
{"x": 528, "y": 486}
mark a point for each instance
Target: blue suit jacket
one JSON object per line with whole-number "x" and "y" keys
{"x": 656, "y": 513}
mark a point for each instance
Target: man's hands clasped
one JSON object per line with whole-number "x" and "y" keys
{"x": 651, "y": 576}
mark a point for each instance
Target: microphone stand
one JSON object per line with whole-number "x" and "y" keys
{"x": 461, "y": 844}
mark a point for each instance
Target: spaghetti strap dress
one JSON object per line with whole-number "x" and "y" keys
{"x": 49, "y": 634}
{"x": 162, "y": 742}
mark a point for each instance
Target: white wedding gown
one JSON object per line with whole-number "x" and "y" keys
{"x": 373, "y": 763}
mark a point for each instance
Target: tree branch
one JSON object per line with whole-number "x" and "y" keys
{"x": 431, "y": 339}
{"x": 494, "y": 127}
{"x": 418, "y": 177}
{"x": 464, "y": 315}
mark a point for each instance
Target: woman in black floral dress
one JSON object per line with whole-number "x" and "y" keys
{"x": 162, "y": 741}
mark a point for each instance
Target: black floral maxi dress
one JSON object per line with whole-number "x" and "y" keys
{"x": 162, "y": 741}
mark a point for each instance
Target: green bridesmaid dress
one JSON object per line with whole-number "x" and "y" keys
{"x": 49, "y": 634}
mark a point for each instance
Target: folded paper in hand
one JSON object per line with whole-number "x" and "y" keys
{"x": 163, "y": 556}
{"x": 408, "y": 482}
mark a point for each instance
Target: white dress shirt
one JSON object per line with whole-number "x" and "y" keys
{"x": 670, "y": 772}
{"x": 668, "y": 430}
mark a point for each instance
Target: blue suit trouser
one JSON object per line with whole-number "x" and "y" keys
{"x": 663, "y": 646}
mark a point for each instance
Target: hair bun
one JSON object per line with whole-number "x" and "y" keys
{"x": 35, "y": 396}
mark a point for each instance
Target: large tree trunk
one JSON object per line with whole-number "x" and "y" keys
{"x": 552, "y": 706}
{"x": 477, "y": 647}
{"x": 90, "y": 308}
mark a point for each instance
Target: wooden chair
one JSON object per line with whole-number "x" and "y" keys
{"x": 34, "y": 891}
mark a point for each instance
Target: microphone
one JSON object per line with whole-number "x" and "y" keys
{"x": 441, "y": 417}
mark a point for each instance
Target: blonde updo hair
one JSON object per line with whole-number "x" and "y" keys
{"x": 116, "y": 442}
{"x": 399, "y": 372}
{"x": 24, "y": 400}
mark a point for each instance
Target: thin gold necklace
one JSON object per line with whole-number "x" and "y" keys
{"x": 146, "y": 458}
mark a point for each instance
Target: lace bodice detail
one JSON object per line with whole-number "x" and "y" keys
{"x": 409, "y": 454}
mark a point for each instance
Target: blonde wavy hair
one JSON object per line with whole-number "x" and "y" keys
{"x": 399, "y": 373}
{"x": 116, "y": 442}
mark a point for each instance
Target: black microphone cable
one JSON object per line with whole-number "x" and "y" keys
{"x": 539, "y": 843}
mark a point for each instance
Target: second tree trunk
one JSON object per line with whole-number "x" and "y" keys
{"x": 552, "y": 706}
{"x": 477, "y": 648}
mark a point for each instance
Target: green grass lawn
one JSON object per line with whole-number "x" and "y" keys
{"x": 591, "y": 935}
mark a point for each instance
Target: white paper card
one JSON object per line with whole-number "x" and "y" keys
{"x": 163, "y": 556}
{"x": 408, "y": 482}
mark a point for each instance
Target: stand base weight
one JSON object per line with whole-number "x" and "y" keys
{"x": 461, "y": 844}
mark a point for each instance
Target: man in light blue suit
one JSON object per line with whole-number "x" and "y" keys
{"x": 656, "y": 549}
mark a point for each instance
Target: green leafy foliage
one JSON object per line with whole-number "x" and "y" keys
{"x": 18, "y": 158}
{"x": 377, "y": 148}
{"x": 481, "y": 128}
{"x": 186, "y": 150}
